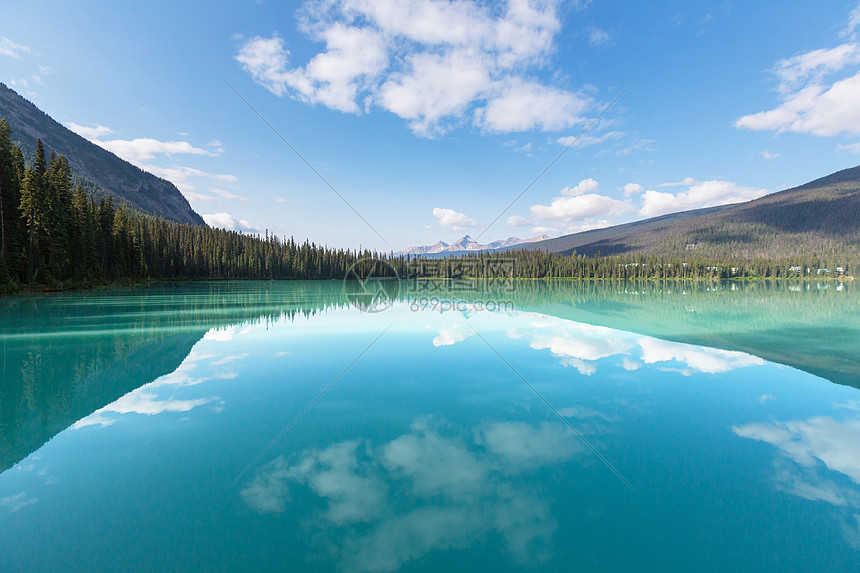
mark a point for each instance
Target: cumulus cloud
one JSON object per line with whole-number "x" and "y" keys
{"x": 583, "y": 206}
{"x": 813, "y": 101}
{"x": 585, "y": 186}
{"x": 434, "y": 63}
{"x": 453, "y": 219}
{"x": 698, "y": 194}
{"x": 10, "y": 48}
{"x": 518, "y": 105}
{"x": 229, "y": 222}
{"x": 632, "y": 189}
{"x": 824, "y": 111}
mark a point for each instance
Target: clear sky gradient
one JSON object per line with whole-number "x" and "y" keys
{"x": 430, "y": 116}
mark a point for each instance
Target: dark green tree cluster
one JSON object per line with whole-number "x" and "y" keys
{"x": 536, "y": 264}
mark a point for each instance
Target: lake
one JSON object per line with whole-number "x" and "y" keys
{"x": 528, "y": 425}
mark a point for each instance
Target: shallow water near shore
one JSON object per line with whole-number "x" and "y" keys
{"x": 538, "y": 425}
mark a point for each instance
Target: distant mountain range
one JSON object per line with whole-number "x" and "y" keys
{"x": 818, "y": 219}
{"x": 97, "y": 170}
{"x": 467, "y": 244}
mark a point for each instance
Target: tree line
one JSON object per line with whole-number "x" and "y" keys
{"x": 53, "y": 235}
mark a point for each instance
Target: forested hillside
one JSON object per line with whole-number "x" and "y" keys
{"x": 54, "y": 235}
{"x": 99, "y": 172}
{"x": 819, "y": 220}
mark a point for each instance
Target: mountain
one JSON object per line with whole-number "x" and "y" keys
{"x": 99, "y": 171}
{"x": 820, "y": 218}
{"x": 467, "y": 244}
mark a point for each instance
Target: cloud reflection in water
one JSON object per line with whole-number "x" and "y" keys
{"x": 425, "y": 491}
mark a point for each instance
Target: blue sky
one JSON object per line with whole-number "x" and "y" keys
{"x": 429, "y": 116}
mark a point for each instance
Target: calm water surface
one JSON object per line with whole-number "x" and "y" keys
{"x": 450, "y": 436}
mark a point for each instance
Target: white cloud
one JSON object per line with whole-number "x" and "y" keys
{"x": 852, "y": 147}
{"x": 10, "y": 48}
{"x": 525, "y": 149}
{"x": 816, "y": 109}
{"x": 814, "y": 66}
{"x": 523, "y": 106}
{"x": 434, "y": 87}
{"x": 434, "y": 63}
{"x": 142, "y": 151}
{"x": 229, "y": 222}
{"x": 266, "y": 60}
{"x": 518, "y": 221}
{"x": 633, "y": 189}
{"x": 87, "y": 132}
{"x": 581, "y": 207}
{"x": 599, "y": 37}
{"x": 145, "y": 148}
{"x": 453, "y": 219}
{"x": 686, "y": 181}
{"x": 585, "y": 186}
{"x": 813, "y": 102}
{"x": 768, "y": 155}
{"x": 699, "y": 194}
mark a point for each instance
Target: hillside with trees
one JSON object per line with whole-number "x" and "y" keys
{"x": 99, "y": 172}
{"x": 818, "y": 220}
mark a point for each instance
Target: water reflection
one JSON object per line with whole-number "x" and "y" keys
{"x": 583, "y": 346}
{"x": 429, "y": 452}
{"x": 432, "y": 488}
{"x": 814, "y": 456}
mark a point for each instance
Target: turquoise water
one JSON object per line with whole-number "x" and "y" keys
{"x": 573, "y": 426}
